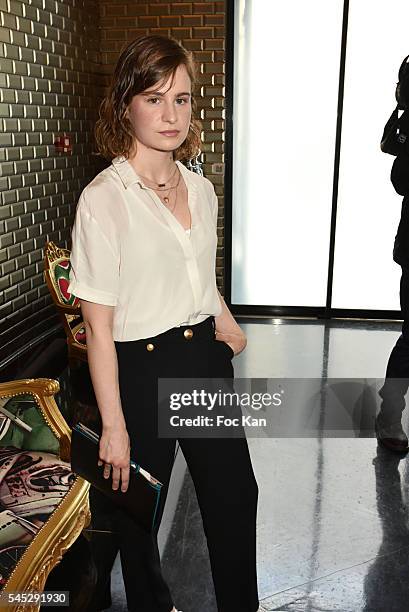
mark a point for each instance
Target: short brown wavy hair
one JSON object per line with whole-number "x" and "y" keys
{"x": 143, "y": 63}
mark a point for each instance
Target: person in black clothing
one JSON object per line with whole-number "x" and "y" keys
{"x": 395, "y": 141}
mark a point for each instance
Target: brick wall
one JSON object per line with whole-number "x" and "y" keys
{"x": 49, "y": 83}
{"x": 200, "y": 27}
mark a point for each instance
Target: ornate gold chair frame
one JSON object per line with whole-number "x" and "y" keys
{"x": 56, "y": 271}
{"x": 69, "y": 517}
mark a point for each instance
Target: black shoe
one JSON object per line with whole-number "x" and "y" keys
{"x": 391, "y": 435}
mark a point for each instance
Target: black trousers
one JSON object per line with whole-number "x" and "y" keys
{"x": 228, "y": 502}
{"x": 397, "y": 372}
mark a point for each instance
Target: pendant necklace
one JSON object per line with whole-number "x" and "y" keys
{"x": 166, "y": 198}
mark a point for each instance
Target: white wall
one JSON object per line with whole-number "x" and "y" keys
{"x": 365, "y": 275}
{"x": 287, "y": 57}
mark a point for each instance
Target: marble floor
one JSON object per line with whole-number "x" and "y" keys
{"x": 333, "y": 514}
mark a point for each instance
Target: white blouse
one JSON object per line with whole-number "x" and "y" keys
{"x": 130, "y": 251}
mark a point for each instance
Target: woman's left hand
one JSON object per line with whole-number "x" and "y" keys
{"x": 237, "y": 342}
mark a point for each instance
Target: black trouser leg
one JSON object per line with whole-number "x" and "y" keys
{"x": 227, "y": 494}
{"x": 104, "y": 547}
{"x": 397, "y": 372}
{"x": 146, "y": 590}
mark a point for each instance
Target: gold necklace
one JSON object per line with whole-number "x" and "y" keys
{"x": 176, "y": 200}
{"x": 166, "y": 198}
{"x": 161, "y": 185}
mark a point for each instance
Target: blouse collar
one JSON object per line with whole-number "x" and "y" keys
{"x": 128, "y": 174}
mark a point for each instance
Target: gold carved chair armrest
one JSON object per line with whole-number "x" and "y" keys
{"x": 43, "y": 504}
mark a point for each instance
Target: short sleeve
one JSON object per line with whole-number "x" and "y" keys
{"x": 94, "y": 273}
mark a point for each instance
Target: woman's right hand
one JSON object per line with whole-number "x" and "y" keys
{"x": 114, "y": 454}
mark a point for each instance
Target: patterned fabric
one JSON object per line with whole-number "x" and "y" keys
{"x": 32, "y": 484}
{"x": 61, "y": 275}
{"x": 33, "y": 480}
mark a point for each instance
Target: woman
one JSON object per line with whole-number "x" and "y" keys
{"x": 143, "y": 263}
